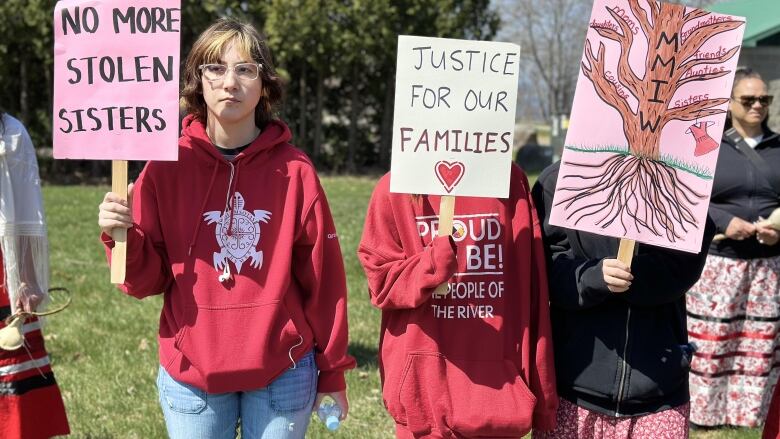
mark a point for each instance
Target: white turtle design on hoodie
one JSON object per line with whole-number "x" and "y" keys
{"x": 237, "y": 233}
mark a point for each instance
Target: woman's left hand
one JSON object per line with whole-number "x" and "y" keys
{"x": 767, "y": 235}
{"x": 339, "y": 397}
{"x": 29, "y": 298}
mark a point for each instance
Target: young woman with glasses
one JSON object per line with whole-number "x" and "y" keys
{"x": 238, "y": 236}
{"x": 734, "y": 309}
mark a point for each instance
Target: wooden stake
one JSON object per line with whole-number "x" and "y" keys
{"x": 626, "y": 251}
{"x": 119, "y": 252}
{"x": 446, "y": 214}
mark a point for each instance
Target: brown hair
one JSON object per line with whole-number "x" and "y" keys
{"x": 210, "y": 46}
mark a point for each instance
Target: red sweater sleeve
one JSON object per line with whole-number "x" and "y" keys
{"x": 319, "y": 268}
{"x": 147, "y": 270}
{"x": 540, "y": 370}
{"x": 400, "y": 277}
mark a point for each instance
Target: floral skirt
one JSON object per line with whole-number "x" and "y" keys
{"x": 30, "y": 402}
{"x": 575, "y": 422}
{"x": 734, "y": 320}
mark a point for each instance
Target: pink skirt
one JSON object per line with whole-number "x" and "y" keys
{"x": 575, "y": 422}
{"x": 734, "y": 319}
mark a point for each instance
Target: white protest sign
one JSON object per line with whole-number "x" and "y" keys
{"x": 454, "y": 120}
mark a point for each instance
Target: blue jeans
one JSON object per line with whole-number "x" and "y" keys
{"x": 281, "y": 410}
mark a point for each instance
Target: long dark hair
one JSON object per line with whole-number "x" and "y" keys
{"x": 740, "y": 74}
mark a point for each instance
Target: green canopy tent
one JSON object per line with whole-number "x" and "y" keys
{"x": 763, "y": 20}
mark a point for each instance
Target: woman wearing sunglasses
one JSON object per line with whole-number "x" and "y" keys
{"x": 238, "y": 237}
{"x": 734, "y": 309}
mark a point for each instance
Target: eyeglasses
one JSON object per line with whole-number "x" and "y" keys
{"x": 244, "y": 71}
{"x": 748, "y": 101}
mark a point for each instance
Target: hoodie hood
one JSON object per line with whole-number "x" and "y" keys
{"x": 193, "y": 135}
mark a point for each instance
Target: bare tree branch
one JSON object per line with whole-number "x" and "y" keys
{"x": 655, "y": 9}
{"x": 699, "y": 36}
{"x": 606, "y": 90}
{"x": 693, "y": 62}
{"x": 696, "y": 110}
{"x": 546, "y": 34}
{"x": 704, "y": 77}
{"x": 641, "y": 16}
{"x": 694, "y": 14}
{"x": 625, "y": 74}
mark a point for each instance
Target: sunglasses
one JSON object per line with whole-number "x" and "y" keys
{"x": 748, "y": 101}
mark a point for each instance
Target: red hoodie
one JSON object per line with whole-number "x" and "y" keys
{"x": 462, "y": 363}
{"x": 286, "y": 291}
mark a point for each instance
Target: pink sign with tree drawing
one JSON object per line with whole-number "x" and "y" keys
{"x": 646, "y": 123}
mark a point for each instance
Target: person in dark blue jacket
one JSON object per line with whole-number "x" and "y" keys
{"x": 621, "y": 348}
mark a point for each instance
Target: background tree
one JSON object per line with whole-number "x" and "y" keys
{"x": 26, "y": 71}
{"x": 338, "y": 56}
{"x": 550, "y": 34}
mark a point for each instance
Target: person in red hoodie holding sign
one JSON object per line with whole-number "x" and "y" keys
{"x": 238, "y": 236}
{"x": 476, "y": 361}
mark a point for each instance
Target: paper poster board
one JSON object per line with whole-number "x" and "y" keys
{"x": 647, "y": 120}
{"x": 116, "y": 79}
{"x": 454, "y": 120}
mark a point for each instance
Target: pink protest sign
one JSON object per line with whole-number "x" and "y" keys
{"x": 116, "y": 79}
{"x": 647, "y": 119}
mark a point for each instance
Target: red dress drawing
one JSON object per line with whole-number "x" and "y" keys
{"x": 31, "y": 405}
{"x": 704, "y": 143}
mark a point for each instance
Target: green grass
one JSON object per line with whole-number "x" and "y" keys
{"x": 671, "y": 161}
{"x": 691, "y": 168}
{"x": 104, "y": 348}
{"x": 606, "y": 148}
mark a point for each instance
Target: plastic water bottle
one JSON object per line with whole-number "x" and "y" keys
{"x": 329, "y": 413}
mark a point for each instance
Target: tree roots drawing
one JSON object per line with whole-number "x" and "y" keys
{"x": 632, "y": 190}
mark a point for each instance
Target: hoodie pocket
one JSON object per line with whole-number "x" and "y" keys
{"x": 239, "y": 345}
{"x": 180, "y": 397}
{"x": 472, "y": 398}
{"x": 663, "y": 372}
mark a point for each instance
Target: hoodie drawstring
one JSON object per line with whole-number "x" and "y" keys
{"x": 232, "y": 190}
{"x": 289, "y": 353}
{"x": 203, "y": 206}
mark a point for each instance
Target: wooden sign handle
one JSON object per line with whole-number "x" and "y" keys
{"x": 119, "y": 252}
{"x": 626, "y": 251}
{"x": 446, "y": 214}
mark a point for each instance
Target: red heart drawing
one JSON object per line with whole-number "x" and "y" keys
{"x": 450, "y": 174}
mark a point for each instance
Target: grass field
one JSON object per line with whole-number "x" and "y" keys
{"x": 104, "y": 349}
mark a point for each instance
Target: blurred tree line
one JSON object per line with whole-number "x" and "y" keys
{"x": 337, "y": 56}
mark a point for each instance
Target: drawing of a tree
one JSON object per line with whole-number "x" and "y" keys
{"x": 637, "y": 186}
